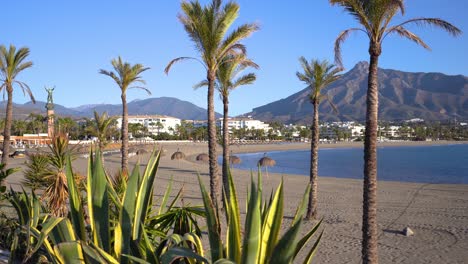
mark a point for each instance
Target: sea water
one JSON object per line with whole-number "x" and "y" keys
{"x": 426, "y": 164}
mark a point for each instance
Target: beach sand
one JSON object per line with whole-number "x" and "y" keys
{"x": 437, "y": 213}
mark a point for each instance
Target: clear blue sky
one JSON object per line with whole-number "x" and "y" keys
{"x": 71, "y": 40}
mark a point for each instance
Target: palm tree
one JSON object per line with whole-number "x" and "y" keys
{"x": 207, "y": 27}
{"x": 317, "y": 75}
{"x": 36, "y": 123}
{"x": 102, "y": 127}
{"x": 12, "y": 62}
{"x": 375, "y": 17}
{"x": 125, "y": 75}
{"x": 65, "y": 125}
{"x": 227, "y": 72}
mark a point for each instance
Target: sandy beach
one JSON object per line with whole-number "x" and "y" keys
{"x": 437, "y": 213}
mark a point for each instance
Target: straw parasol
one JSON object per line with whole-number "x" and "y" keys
{"x": 203, "y": 157}
{"x": 266, "y": 162}
{"x": 234, "y": 160}
{"x": 178, "y": 155}
{"x": 132, "y": 150}
{"x": 141, "y": 151}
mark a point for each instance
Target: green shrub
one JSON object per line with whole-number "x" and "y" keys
{"x": 261, "y": 241}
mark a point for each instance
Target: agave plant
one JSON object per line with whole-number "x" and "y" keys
{"x": 111, "y": 228}
{"x": 31, "y": 214}
{"x": 261, "y": 242}
{"x": 4, "y": 173}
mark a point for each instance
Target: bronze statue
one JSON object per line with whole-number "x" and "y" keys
{"x": 50, "y": 100}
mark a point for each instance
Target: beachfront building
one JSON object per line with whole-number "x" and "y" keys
{"x": 197, "y": 123}
{"x": 390, "y": 131}
{"x": 341, "y": 130}
{"x": 155, "y": 124}
{"x": 244, "y": 123}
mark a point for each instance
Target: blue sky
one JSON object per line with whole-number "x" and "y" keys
{"x": 71, "y": 40}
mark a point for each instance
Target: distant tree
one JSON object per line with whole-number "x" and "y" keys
{"x": 19, "y": 127}
{"x": 102, "y": 128}
{"x": 374, "y": 17}
{"x": 317, "y": 75}
{"x": 125, "y": 76}
{"x": 12, "y": 62}
{"x": 65, "y": 125}
{"x": 36, "y": 123}
{"x": 137, "y": 130}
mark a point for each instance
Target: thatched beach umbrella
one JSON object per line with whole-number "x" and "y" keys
{"x": 178, "y": 155}
{"x": 234, "y": 159}
{"x": 266, "y": 162}
{"x": 203, "y": 157}
{"x": 141, "y": 151}
{"x": 132, "y": 150}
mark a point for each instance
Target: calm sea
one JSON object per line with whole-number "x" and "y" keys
{"x": 427, "y": 164}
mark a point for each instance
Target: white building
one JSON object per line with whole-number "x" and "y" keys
{"x": 154, "y": 123}
{"x": 390, "y": 131}
{"x": 329, "y": 130}
{"x": 247, "y": 123}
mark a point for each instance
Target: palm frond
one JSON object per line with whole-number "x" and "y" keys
{"x": 172, "y": 62}
{"x": 142, "y": 88}
{"x": 339, "y": 40}
{"x": 244, "y": 80}
{"x": 26, "y": 90}
{"x": 357, "y": 9}
{"x": 233, "y": 39}
{"x": 200, "y": 84}
{"x": 434, "y": 22}
{"x": 403, "y": 32}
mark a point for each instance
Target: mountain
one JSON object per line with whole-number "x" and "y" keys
{"x": 403, "y": 95}
{"x": 162, "y": 106}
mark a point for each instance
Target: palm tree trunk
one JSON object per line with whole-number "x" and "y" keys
{"x": 369, "y": 216}
{"x": 124, "y": 129}
{"x": 312, "y": 207}
{"x": 226, "y": 147}
{"x": 213, "y": 163}
{"x": 7, "y": 130}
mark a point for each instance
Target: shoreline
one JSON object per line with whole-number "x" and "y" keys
{"x": 257, "y": 148}
{"x": 437, "y": 213}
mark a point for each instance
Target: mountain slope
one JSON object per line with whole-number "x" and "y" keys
{"x": 161, "y": 106}
{"x": 403, "y": 95}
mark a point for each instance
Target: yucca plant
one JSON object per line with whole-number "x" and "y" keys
{"x": 56, "y": 193}
{"x": 261, "y": 242}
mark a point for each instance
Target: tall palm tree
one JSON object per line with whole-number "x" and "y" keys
{"x": 12, "y": 62}
{"x": 125, "y": 76}
{"x": 101, "y": 128}
{"x": 317, "y": 75}
{"x": 374, "y": 17}
{"x": 208, "y": 28}
{"x": 228, "y": 80}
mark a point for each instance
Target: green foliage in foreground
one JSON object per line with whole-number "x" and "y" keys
{"x": 105, "y": 227}
{"x": 261, "y": 242}
{"x": 108, "y": 227}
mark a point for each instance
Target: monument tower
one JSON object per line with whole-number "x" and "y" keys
{"x": 50, "y": 112}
